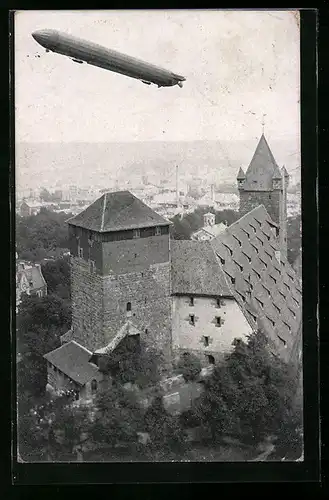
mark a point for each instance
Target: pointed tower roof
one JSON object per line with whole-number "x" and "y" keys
{"x": 285, "y": 173}
{"x": 241, "y": 174}
{"x": 115, "y": 212}
{"x": 262, "y": 168}
{"x": 277, "y": 174}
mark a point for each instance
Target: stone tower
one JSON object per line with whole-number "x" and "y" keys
{"x": 265, "y": 184}
{"x": 120, "y": 269}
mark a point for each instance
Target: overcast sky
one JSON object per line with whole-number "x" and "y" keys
{"x": 238, "y": 66}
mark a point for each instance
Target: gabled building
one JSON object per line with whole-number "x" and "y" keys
{"x": 209, "y": 230}
{"x": 29, "y": 280}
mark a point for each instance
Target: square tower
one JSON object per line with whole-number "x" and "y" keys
{"x": 265, "y": 184}
{"x": 120, "y": 268}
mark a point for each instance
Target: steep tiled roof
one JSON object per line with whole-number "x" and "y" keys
{"x": 127, "y": 329}
{"x": 241, "y": 174}
{"x": 262, "y": 169}
{"x": 195, "y": 269}
{"x": 73, "y": 360}
{"x": 117, "y": 211}
{"x": 268, "y": 291}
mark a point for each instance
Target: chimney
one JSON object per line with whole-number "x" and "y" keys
{"x": 212, "y": 194}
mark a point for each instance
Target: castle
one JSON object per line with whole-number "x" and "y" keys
{"x": 131, "y": 283}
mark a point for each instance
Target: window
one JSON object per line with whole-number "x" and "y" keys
{"x": 242, "y": 296}
{"x": 263, "y": 262}
{"x": 218, "y": 303}
{"x": 267, "y": 291}
{"x": 206, "y": 341}
{"x": 137, "y": 233}
{"x": 286, "y": 324}
{"x": 128, "y": 306}
{"x": 253, "y": 227}
{"x": 255, "y": 248}
{"x": 191, "y": 301}
{"x": 273, "y": 279}
{"x": 222, "y": 261}
{"x": 146, "y": 331}
{"x": 211, "y": 359}
{"x": 157, "y": 231}
{"x": 287, "y": 286}
{"x": 76, "y": 395}
{"x": 92, "y": 266}
{"x": 245, "y": 232}
{"x": 192, "y": 319}
{"x": 218, "y": 321}
{"x": 93, "y": 386}
{"x": 80, "y": 252}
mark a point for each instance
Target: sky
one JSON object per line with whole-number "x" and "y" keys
{"x": 238, "y": 65}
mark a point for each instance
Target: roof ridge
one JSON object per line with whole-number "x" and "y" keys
{"x": 245, "y": 216}
{"x": 103, "y": 212}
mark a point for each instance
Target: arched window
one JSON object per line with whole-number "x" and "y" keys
{"x": 93, "y": 386}
{"x": 128, "y": 306}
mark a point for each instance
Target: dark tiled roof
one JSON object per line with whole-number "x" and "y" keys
{"x": 262, "y": 169}
{"x": 117, "y": 211}
{"x": 73, "y": 360}
{"x": 268, "y": 292}
{"x": 195, "y": 269}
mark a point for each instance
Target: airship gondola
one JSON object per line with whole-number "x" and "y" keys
{"x": 83, "y": 51}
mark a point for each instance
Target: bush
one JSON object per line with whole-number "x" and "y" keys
{"x": 189, "y": 366}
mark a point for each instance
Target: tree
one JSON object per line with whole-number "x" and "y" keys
{"x": 189, "y": 366}
{"x": 57, "y": 276}
{"x": 251, "y": 395}
{"x": 42, "y": 235}
{"x": 167, "y": 436}
{"x": 118, "y": 418}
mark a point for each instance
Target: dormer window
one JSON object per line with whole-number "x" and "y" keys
{"x": 287, "y": 286}
{"x": 286, "y": 324}
{"x": 237, "y": 239}
{"x": 269, "y": 255}
{"x": 277, "y": 308}
{"x": 222, "y": 261}
{"x": 260, "y": 241}
{"x": 128, "y": 307}
{"x": 282, "y": 341}
{"x": 259, "y": 302}
{"x": 247, "y": 256}
{"x": 272, "y": 278}
{"x": 282, "y": 295}
{"x": 242, "y": 296}
{"x": 292, "y": 312}
{"x": 246, "y": 233}
{"x": 271, "y": 320}
{"x": 257, "y": 274}
{"x": 238, "y": 265}
{"x": 263, "y": 262}
{"x": 267, "y": 291}
{"x": 255, "y": 248}
{"x": 295, "y": 300}
{"x": 253, "y": 228}
{"x": 228, "y": 248}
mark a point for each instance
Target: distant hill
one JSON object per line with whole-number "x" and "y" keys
{"x": 87, "y": 164}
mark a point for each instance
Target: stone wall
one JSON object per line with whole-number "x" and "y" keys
{"x": 87, "y": 305}
{"x": 148, "y": 292}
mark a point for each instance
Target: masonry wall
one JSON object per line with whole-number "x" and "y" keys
{"x": 135, "y": 270}
{"x": 189, "y": 338}
{"x": 148, "y": 292}
{"x": 87, "y": 305}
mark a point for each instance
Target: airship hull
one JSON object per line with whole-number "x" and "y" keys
{"x": 108, "y": 59}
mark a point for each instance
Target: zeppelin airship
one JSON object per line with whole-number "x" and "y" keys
{"x": 81, "y": 51}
